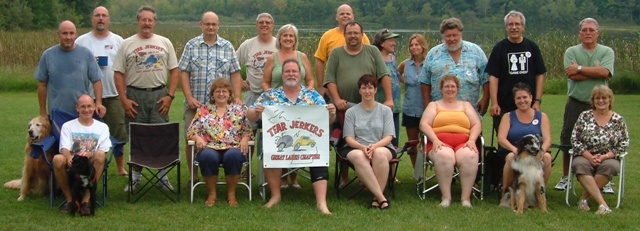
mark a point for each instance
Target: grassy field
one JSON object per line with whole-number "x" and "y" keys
{"x": 297, "y": 211}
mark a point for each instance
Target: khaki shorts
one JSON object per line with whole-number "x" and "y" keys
{"x": 582, "y": 166}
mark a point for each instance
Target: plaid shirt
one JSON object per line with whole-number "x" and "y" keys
{"x": 206, "y": 63}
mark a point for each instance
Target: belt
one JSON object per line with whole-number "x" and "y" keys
{"x": 148, "y": 89}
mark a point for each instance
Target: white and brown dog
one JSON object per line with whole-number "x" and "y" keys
{"x": 529, "y": 181}
{"x": 36, "y": 172}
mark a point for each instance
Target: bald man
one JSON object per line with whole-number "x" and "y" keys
{"x": 204, "y": 59}
{"x": 140, "y": 73}
{"x": 331, "y": 39}
{"x": 66, "y": 71}
{"x": 104, "y": 45}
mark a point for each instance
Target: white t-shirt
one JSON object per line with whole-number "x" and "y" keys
{"x": 253, "y": 54}
{"x": 78, "y": 138}
{"x": 107, "y": 46}
{"x": 145, "y": 62}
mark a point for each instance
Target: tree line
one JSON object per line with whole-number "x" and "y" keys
{"x": 416, "y": 14}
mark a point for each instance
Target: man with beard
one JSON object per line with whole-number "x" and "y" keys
{"x": 292, "y": 93}
{"x": 331, "y": 39}
{"x": 104, "y": 44}
{"x": 513, "y": 60}
{"x": 205, "y": 58}
{"x": 141, "y": 67}
{"x": 66, "y": 71}
{"x": 586, "y": 65}
{"x": 463, "y": 59}
{"x": 346, "y": 64}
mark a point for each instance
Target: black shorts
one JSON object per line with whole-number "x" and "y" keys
{"x": 410, "y": 121}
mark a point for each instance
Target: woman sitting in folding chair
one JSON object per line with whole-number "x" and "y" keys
{"x": 516, "y": 124}
{"x": 599, "y": 136}
{"x": 368, "y": 130}
{"x": 221, "y": 132}
{"x": 452, "y": 127}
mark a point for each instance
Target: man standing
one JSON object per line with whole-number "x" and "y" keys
{"x": 345, "y": 66}
{"x": 86, "y": 137}
{"x": 204, "y": 59}
{"x": 66, "y": 71}
{"x": 253, "y": 54}
{"x": 141, "y": 65}
{"x": 463, "y": 59}
{"x": 586, "y": 65}
{"x": 331, "y": 39}
{"x": 104, "y": 44}
{"x": 292, "y": 93}
{"x": 513, "y": 60}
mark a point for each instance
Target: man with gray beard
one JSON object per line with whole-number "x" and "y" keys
{"x": 463, "y": 59}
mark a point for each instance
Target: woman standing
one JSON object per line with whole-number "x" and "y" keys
{"x": 221, "y": 132}
{"x": 385, "y": 41}
{"x": 287, "y": 45}
{"x": 598, "y": 138}
{"x": 412, "y": 104}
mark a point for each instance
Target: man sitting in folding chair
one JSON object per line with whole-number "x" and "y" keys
{"x": 83, "y": 136}
{"x": 222, "y": 133}
{"x": 292, "y": 93}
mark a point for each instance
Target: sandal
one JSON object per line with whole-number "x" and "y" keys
{"x": 603, "y": 209}
{"x": 583, "y": 205}
{"x": 387, "y": 202}
{"x": 296, "y": 185}
{"x": 374, "y": 204}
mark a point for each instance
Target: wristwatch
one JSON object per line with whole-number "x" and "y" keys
{"x": 538, "y": 100}
{"x": 171, "y": 96}
{"x": 579, "y": 68}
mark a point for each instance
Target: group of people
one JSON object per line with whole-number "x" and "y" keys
{"x": 448, "y": 88}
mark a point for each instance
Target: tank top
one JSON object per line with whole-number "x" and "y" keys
{"x": 453, "y": 121}
{"x": 276, "y": 72}
{"x": 517, "y": 129}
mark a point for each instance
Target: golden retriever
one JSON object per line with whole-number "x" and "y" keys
{"x": 529, "y": 184}
{"x": 36, "y": 172}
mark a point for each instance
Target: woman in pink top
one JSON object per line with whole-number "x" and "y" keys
{"x": 452, "y": 127}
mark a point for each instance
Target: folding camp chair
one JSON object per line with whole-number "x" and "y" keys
{"x": 421, "y": 186}
{"x": 58, "y": 117}
{"x": 194, "y": 164}
{"x": 572, "y": 174}
{"x": 157, "y": 147}
{"x": 394, "y": 163}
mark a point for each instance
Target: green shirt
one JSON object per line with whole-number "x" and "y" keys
{"x": 601, "y": 56}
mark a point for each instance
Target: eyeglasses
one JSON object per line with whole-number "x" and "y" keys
{"x": 264, "y": 22}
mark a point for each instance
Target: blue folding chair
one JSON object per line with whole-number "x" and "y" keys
{"x": 58, "y": 117}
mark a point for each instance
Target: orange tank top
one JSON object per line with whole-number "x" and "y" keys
{"x": 454, "y": 121}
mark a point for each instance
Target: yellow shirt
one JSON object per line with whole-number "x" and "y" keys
{"x": 331, "y": 39}
{"x": 452, "y": 121}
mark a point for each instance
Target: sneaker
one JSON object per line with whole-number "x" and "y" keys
{"x": 165, "y": 184}
{"x": 504, "y": 202}
{"x": 134, "y": 185}
{"x": 608, "y": 188}
{"x": 562, "y": 184}
{"x": 85, "y": 209}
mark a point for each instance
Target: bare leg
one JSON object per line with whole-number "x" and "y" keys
{"x": 467, "y": 161}
{"x": 507, "y": 172}
{"x": 592, "y": 187}
{"x": 232, "y": 182}
{"x": 120, "y": 165}
{"x": 62, "y": 179}
{"x": 412, "y": 134}
{"x": 273, "y": 178}
{"x": 365, "y": 173}
{"x": 380, "y": 165}
{"x": 320, "y": 190}
{"x": 211, "y": 187}
{"x": 444, "y": 161}
{"x": 546, "y": 169}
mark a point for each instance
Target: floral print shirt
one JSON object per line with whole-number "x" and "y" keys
{"x": 588, "y": 135}
{"x": 223, "y": 132}
{"x": 276, "y": 97}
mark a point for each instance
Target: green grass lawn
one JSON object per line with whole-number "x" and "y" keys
{"x": 297, "y": 210}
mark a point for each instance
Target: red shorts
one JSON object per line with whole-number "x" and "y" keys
{"x": 454, "y": 140}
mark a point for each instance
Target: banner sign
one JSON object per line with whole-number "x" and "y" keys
{"x": 295, "y": 136}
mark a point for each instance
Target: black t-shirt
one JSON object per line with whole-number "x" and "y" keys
{"x": 513, "y": 63}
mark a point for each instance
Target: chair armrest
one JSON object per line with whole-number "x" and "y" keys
{"x": 40, "y": 148}
{"x": 621, "y": 156}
